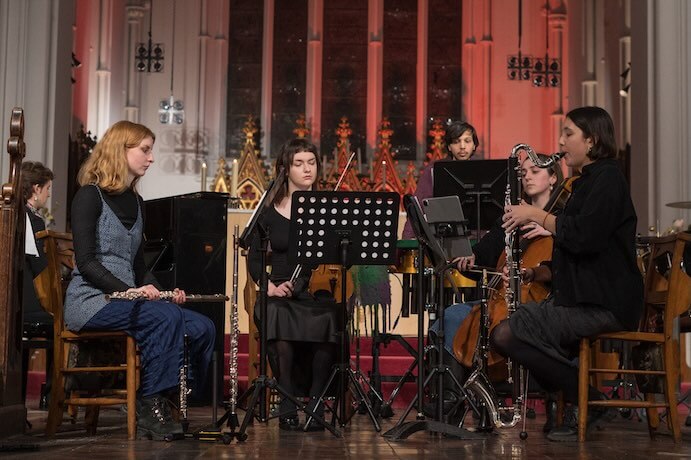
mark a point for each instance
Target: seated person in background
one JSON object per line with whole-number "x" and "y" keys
{"x": 462, "y": 141}
{"x": 37, "y": 181}
{"x": 301, "y": 329}
{"x": 539, "y": 185}
{"x": 107, "y": 226}
{"x": 596, "y": 284}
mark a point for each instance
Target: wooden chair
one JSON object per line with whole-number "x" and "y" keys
{"x": 667, "y": 295}
{"x": 51, "y": 287}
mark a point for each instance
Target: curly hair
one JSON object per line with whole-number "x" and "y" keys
{"x": 107, "y": 165}
{"x": 34, "y": 173}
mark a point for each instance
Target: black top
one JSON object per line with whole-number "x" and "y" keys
{"x": 86, "y": 209}
{"x": 278, "y": 228}
{"x": 594, "y": 256}
{"x": 490, "y": 247}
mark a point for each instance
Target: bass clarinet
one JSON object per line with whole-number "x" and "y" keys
{"x": 478, "y": 382}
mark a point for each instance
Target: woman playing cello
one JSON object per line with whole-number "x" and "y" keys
{"x": 539, "y": 186}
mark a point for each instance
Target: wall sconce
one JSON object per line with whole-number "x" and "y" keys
{"x": 148, "y": 57}
{"x": 171, "y": 111}
{"x": 624, "y": 91}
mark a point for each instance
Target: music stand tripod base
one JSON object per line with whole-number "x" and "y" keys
{"x": 345, "y": 228}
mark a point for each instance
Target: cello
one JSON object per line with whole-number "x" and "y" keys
{"x": 534, "y": 252}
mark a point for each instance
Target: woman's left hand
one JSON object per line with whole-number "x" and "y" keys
{"x": 533, "y": 230}
{"x": 516, "y": 215}
{"x": 179, "y": 296}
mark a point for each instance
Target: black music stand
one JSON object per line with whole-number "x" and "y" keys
{"x": 262, "y": 381}
{"x": 430, "y": 246}
{"x": 479, "y": 184}
{"x": 347, "y": 228}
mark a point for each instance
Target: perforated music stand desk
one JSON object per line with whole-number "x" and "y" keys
{"x": 346, "y": 228}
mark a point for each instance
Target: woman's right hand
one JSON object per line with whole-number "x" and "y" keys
{"x": 285, "y": 289}
{"x": 463, "y": 263}
{"x": 149, "y": 291}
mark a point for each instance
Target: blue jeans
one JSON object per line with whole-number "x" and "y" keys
{"x": 453, "y": 317}
{"x": 159, "y": 328}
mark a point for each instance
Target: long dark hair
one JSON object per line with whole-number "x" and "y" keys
{"x": 285, "y": 160}
{"x": 554, "y": 170}
{"x": 597, "y": 125}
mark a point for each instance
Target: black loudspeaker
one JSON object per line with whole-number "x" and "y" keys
{"x": 185, "y": 246}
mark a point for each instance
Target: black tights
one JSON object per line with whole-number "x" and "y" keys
{"x": 550, "y": 373}
{"x": 323, "y": 359}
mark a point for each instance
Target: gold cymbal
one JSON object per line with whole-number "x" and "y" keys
{"x": 680, "y": 204}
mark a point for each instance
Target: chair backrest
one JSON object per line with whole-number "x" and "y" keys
{"x": 51, "y": 283}
{"x": 667, "y": 284}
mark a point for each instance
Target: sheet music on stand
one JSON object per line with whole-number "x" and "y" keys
{"x": 368, "y": 219}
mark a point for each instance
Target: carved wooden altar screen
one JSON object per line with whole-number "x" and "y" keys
{"x": 12, "y": 410}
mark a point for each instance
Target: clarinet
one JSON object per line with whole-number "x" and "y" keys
{"x": 184, "y": 390}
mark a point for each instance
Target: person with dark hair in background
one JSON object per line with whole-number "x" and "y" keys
{"x": 37, "y": 181}
{"x": 302, "y": 331}
{"x": 462, "y": 142}
{"x": 107, "y": 228}
{"x": 596, "y": 284}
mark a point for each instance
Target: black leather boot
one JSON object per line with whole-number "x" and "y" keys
{"x": 288, "y": 420}
{"x": 550, "y": 413}
{"x": 154, "y": 420}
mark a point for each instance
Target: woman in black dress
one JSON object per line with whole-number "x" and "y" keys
{"x": 302, "y": 331}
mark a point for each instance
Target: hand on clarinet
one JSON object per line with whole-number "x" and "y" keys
{"x": 527, "y": 275}
{"x": 285, "y": 289}
{"x": 464, "y": 263}
{"x": 516, "y": 215}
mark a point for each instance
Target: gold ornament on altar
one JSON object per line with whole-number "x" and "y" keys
{"x": 247, "y": 177}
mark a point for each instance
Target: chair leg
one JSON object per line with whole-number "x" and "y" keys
{"x": 131, "y": 389}
{"x": 651, "y": 415}
{"x": 91, "y": 419}
{"x": 583, "y": 381}
{"x": 57, "y": 392}
{"x": 671, "y": 381}
{"x": 72, "y": 410}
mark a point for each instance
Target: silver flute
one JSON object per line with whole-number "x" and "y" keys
{"x": 167, "y": 295}
{"x": 234, "y": 329}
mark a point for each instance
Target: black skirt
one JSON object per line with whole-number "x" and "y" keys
{"x": 301, "y": 319}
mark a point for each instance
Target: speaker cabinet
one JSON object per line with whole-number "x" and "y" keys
{"x": 185, "y": 246}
